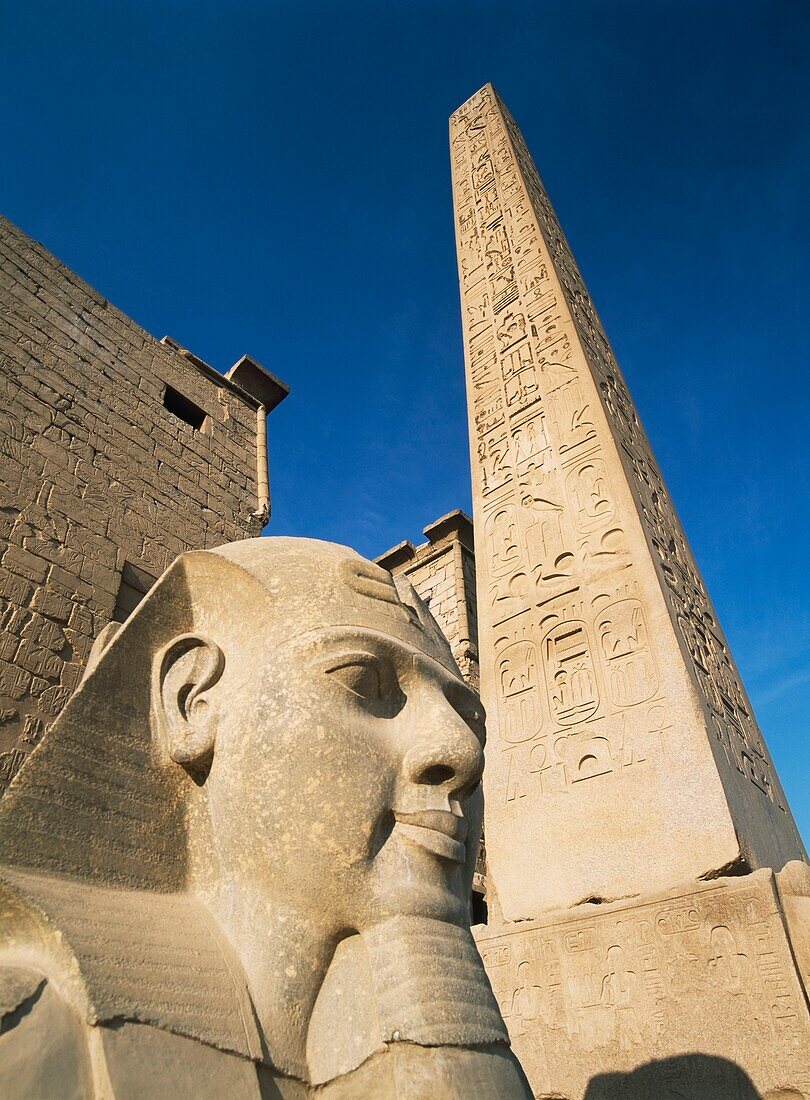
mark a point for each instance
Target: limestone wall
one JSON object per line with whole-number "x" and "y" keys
{"x": 97, "y": 477}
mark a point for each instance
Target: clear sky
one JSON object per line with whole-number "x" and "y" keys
{"x": 273, "y": 178}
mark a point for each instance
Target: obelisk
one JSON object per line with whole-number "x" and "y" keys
{"x": 623, "y": 753}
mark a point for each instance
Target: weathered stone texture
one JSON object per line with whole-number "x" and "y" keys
{"x": 620, "y": 733}
{"x": 240, "y": 861}
{"x": 697, "y": 986}
{"x": 96, "y": 472}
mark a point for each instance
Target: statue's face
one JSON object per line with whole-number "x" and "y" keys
{"x": 352, "y": 783}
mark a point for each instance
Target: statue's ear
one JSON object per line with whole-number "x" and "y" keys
{"x": 185, "y": 708}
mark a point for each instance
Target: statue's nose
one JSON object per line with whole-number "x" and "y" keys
{"x": 446, "y": 754}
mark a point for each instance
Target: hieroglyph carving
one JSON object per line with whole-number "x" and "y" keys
{"x": 613, "y": 988}
{"x": 574, "y": 522}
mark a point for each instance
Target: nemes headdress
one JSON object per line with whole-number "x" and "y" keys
{"x": 93, "y": 826}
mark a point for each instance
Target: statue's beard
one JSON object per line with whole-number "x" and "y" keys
{"x": 408, "y": 979}
{"x": 430, "y": 984}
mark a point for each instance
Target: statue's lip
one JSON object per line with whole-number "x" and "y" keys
{"x": 438, "y": 831}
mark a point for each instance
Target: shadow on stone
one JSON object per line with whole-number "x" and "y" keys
{"x": 690, "y": 1076}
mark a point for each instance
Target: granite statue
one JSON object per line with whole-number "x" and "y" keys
{"x": 240, "y": 862}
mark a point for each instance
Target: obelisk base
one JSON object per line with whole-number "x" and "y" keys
{"x": 698, "y": 992}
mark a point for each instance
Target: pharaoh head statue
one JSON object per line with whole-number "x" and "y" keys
{"x": 266, "y": 793}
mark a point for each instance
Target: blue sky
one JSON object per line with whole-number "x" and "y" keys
{"x": 273, "y": 178}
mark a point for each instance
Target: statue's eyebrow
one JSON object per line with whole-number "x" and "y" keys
{"x": 351, "y": 642}
{"x": 334, "y": 661}
{"x": 347, "y": 643}
{"x": 354, "y": 633}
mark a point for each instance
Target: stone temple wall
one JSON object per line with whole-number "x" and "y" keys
{"x": 117, "y": 452}
{"x": 442, "y": 570}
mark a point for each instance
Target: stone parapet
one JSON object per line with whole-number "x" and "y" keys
{"x": 442, "y": 570}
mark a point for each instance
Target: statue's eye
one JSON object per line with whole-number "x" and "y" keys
{"x": 360, "y": 677}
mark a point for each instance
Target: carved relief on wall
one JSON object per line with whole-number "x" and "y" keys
{"x": 717, "y": 677}
{"x": 589, "y": 493}
{"x": 578, "y": 992}
{"x": 503, "y": 536}
{"x": 564, "y": 676}
{"x": 570, "y": 676}
{"x": 522, "y": 713}
{"x": 530, "y": 442}
{"x": 583, "y": 681}
{"x": 493, "y": 452}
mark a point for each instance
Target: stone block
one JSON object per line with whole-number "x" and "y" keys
{"x": 52, "y": 604}
{"x": 14, "y": 681}
{"x": 692, "y": 992}
{"x": 23, "y": 564}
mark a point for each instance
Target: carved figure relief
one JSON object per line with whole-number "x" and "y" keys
{"x": 631, "y": 986}
{"x": 728, "y": 965}
{"x": 526, "y": 1004}
{"x": 542, "y": 512}
{"x": 478, "y": 320}
{"x": 483, "y": 174}
{"x": 488, "y": 411}
{"x": 493, "y": 452}
{"x": 512, "y": 328}
{"x": 589, "y": 492}
{"x": 621, "y": 993}
{"x": 502, "y": 530}
{"x": 496, "y": 248}
{"x": 521, "y": 386}
{"x": 529, "y": 439}
{"x": 572, "y": 416}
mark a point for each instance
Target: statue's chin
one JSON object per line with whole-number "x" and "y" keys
{"x": 418, "y": 879}
{"x": 434, "y": 902}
